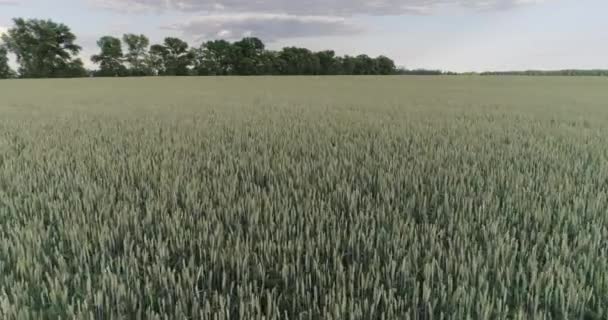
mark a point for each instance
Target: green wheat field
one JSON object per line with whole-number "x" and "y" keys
{"x": 304, "y": 198}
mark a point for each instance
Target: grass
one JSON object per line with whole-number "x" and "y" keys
{"x": 304, "y": 198}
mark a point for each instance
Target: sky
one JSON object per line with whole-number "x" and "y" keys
{"x": 454, "y": 35}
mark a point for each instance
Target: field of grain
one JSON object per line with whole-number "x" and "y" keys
{"x": 304, "y": 198}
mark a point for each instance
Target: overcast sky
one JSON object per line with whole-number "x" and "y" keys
{"x": 457, "y": 35}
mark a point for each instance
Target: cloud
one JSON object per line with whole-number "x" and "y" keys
{"x": 130, "y": 6}
{"x": 273, "y": 20}
{"x": 268, "y": 26}
{"x": 499, "y": 4}
{"x": 10, "y": 2}
{"x": 308, "y": 7}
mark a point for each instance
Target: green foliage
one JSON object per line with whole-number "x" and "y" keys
{"x": 5, "y": 70}
{"x": 74, "y": 69}
{"x": 248, "y": 55}
{"x": 298, "y": 61}
{"x": 364, "y": 65}
{"x": 549, "y": 73}
{"x": 44, "y": 49}
{"x": 328, "y": 63}
{"x": 384, "y": 65}
{"x": 137, "y": 55}
{"x": 110, "y": 59}
{"x": 215, "y": 58}
{"x": 304, "y": 198}
{"x": 347, "y": 64}
{"x": 301, "y": 61}
{"x": 157, "y": 59}
{"x": 421, "y": 72}
{"x": 172, "y": 58}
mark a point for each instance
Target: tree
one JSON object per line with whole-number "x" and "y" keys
{"x": 270, "y": 63}
{"x": 215, "y": 58}
{"x": 298, "y": 61}
{"x": 44, "y": 49}
{"x": 172, "y": 58}
{"x": 5, "y": 70}
{"x": 110, "y": 59}
{"x": 158, "y": 52}
{"x": 364, "y": 65}
{"x": 327, "y": 62}
{"x": 74, "y": 69}
{"x": 384, "y": 65}
{"x": 347, "y": 64}
{"x": 137, "y": 55}
{"x": 248, "y": 53}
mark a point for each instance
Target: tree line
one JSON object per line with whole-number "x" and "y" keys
{"x": 570, "y": 73}
{"x": 46, "y": 49}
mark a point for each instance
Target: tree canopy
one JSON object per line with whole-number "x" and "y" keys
{"x": 548, "y": 73}
{"x": 247, "y": 56}
{"x": 5, "y": 70}
{"x": 47, "y": 49}
{"x": 172, "y": 58}
{"x": 44, "y": 49}
{"x": 137, "y": 56}
{"x": 214, "y": 58}
{"x": 110, "y": 59}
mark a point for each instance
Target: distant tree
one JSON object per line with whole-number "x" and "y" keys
{"x": 328, "y": 63}
{"x": 364, "y": 65}
{"x": 74, "y": 69}
{"x": 347, "y": 64}
{"x": 137, "y": 56}
{"x": 595, "y": 72}
{"x": 269, "y": 63}
{"x": 247, "y": 55}
{"x": 5, "y": 70}
{"x": 110, "y": 59}
{"x": 44, "y": 49}
{"x": 419, "y": 72}
{"x": 172, "y": 58}
{"x": 157, "y": 57}
{"x": 384, "y": 65}
{"x": 215, "y": 58}
{"x": 298, "y": 61}
{"x": 47, "y": 49}
{"x": 180, "y": 57}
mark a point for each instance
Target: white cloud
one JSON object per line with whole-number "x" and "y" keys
{"x": 224, "y": 33}
{"x": 128, "y": 6}
{"x": 273, "y": 20}
{"x": 499, "y": 4}
{"x": 309, "y": 7}
{"x": 268, "y": 26}
{"x": 281, "y": 19}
